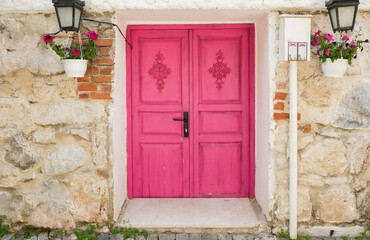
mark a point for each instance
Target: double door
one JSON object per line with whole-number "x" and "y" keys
{"x": 191, "y": 113}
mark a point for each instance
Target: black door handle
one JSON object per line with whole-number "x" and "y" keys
{"x": 186, "y": 123}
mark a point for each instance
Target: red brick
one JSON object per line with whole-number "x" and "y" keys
{"x": 84, "y": 96}
{"x": 105, "y": 51}
{"x": 84, "y": 42}
{"x": 104, "y": 42}
{"x": 306, "y": 128}
{"x": 285, "y": 116}
{"x": 99, "y": 95}
{"x": 105, "y": 87}
{"x": 281, "y": 116}
{"x": 279, "y": 106}
{"x": 87, "y": 87}
{"x": 86, "y": 78}
{"x": 103, "y": 61}
{"x": 106, "y": 79}
{"x": 280, "y": 96}
{"x": 92, "y": 70}
{"x": 280, "y": 85}
{"x": 106, "y": 70}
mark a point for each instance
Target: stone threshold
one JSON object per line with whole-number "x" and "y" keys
{"x": 194, "y": 215}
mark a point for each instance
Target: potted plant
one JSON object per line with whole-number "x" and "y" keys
{"x": 340, "y": 53}
{"x": 75, "y": 58}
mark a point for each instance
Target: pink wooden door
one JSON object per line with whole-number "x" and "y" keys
{"x": 206, "y": 70}
{"x": 160, "y": 86}
{"x": 222, "y": 112}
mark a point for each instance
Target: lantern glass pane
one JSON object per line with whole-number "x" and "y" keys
{"x": 346, "y": 15}
{"x": 65, "y": 16}
{"x": 77, "y": 17}
{"x": 333, "y": 15}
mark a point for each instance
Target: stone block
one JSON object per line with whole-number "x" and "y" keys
{"x": 281, "y": 136}
{"x": 116, "y": 237}
{"x": 358, "y": 150}
{"x": 182, "y": 236}
{"x": 195, "y": 236}
{"x": 363, "y": 203}
{"x": 66, "y": 158}
{"x": 339, "y": 180}
{"x": 311, "y": 180}
{"x": 337, "y": 205}
{"x": 324, "y": 231}
{"x": 99, "y": 153}
{"x": 325, "y": 158}
{"x": 83, "y": 133}
{"x": 167, "y": 236}
{"x": 207, "y": 236}
{"x": 223, "y": 236}
{"x": 304, "y": 139}
{"x": 152, "y": 236}
{"x": 239, "y": 237}
{"x": 44, "y": 136}
{"x": 354, "y": 109}
{"x": 103, "y": 236}
{"x": 7, "y": 237}
{"x": 43, "y": 236}
{"x": 19, "y": 153}
{"x": 304, "y": 210}
{"x": 70, "y": 112}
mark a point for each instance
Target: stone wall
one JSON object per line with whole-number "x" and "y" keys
{"x": 56, "y": 164}
{"x": 54, "y": 155}
{"x": 333, "y": 140}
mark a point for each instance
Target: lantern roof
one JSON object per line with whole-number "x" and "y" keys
{"x": 334, "y": 3}
{"x": 78, "y": 2}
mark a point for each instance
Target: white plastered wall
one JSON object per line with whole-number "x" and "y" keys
{"x": 263, "y": 80}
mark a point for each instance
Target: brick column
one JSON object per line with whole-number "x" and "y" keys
{"x": 97, "y": 82}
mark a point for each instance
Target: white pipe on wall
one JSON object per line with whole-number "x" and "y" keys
{"x": 293, "y": 149}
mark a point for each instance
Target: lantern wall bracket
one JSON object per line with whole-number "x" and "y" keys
{"x": 92, "y": 20}
{"x": 113, "y": 24}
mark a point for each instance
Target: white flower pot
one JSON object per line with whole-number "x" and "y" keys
{"x": 75, "y": 67}
{"x": 334, "y": 69}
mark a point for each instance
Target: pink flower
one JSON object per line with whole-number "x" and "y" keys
{"x": 330, "y": 37}
{"x": 48, "y": 38}
{"x": 92, "y": 34}
{"x": 345, "y": 37}
{"x": 75, "y": 52}
{"x": 315, "y": 43}
{"x": 317, "y": 33}
{"x": 327, "y": 52}
{"x": 352, "y": 45}
{"x": 318, "y": 51}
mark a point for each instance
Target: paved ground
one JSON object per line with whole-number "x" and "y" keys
{"x": 174, "y": 236}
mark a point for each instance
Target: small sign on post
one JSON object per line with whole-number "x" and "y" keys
{"x": 297, "y": 51}
{"x": 293, "y": 51}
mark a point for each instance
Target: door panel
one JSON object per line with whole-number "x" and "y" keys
{"x": 160, "y": 86}
{"x": 221, "y": 143}
{"x": 220, "y": 169}
{"x": 219, "y": 58}
{"x": 208, "y": 72}
{"x": 162, "y": 170}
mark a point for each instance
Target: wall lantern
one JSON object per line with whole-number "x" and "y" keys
{"x": 342, "y": 14}
{"x": 69, "y": 14}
